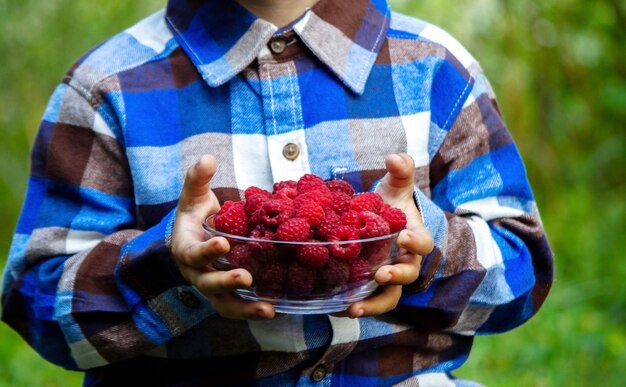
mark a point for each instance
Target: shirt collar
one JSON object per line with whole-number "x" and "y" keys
{"x": 222, "y": 38}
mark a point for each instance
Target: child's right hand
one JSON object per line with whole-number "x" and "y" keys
{"x": 194, "y": 255}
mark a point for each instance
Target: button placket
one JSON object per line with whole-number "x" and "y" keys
{"x": 283, "y": 119}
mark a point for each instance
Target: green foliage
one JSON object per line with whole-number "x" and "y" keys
{"x": 557, "y": 68}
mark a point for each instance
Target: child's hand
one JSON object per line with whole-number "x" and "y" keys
{"x": 194, "y": 254}
{"x": 415, "y": 241}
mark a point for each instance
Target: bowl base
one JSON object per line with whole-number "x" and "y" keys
{"x": 326, "y": 305}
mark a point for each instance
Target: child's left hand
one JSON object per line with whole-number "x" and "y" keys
{"x": 414, "y": 242}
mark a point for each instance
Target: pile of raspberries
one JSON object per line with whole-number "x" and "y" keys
{"x": 308, "y": 210}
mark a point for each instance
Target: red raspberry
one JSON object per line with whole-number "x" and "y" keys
{"x": 341, "y": 202}
{"x": 275, "y": 211}
{"x": 333, "y": 277}
{"x": 262, "y": 250}
{"x": 367, "y": 201}
{"x": 286, "y": 193}
{"x": 255, "y": 191}
{"x": 311, "y": 211}
{"x": 314, "y": 256}
{"x": 284, "y": 184}
{"x": 377, "y": 252}
{"x": 395, "y": 217}
{"x": 331, "y": 222}
{"x": 239, "y": 255}
{"x": 340, "y": 186}
{"x": 349, "y": 217}
{"x": 309, "y": 182}
{"x": 254, "y": 203}
{"x": 293, "y": 230}
{"x": 371, "y": 225}
{"x": 232, "y": 219}
{"x": 269, "y": 275}
{"x": 359, "y": 270}
{"x": 301, "y": 280}
{"x": 344, "y": 250}
{"x": 254, "y": 219}
{"x": 321, "y": 196}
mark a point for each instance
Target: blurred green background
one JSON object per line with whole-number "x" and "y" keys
{"x": 558, "y": 68}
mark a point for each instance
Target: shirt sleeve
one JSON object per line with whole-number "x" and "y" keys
{"x": 492, "y": 267}
{"x": 84, "y": 284}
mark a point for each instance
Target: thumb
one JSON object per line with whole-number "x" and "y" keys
{"x": 400, "y": 178}
{"x": 196, "y": 188}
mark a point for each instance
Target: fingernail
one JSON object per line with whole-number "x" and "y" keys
{"x": 403, "y": 238}
{"x": 237, "y": 280}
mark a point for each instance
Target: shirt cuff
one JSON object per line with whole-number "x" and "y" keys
{"x": 164, "y": 303}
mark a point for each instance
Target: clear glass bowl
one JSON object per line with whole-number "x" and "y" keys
{"x": 279, "y": 277}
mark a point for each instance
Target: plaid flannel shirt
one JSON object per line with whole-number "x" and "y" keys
{"x": 90, "y": 282}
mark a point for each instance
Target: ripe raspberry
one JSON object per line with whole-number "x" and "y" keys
{"x": 321, "y": 196}
{"x": 359, "y": 270}
{"x": 239, "y": 255}
{"x": 309, "y": 182}
{"x": 345, "y": 251}
{"x": 284, "y": 184}
{"x": 331, "y": 222}
{"x": 262, "y": 250}
{"x": 340, "y": 186}
{"x": 395, "y": 217}
{"x": 293, "y": 230}
{"x": 314, "y": 256}
{"x": 286, "y": 193}
{"x": 377, "y": 252}
{"x": 367, "y": 201}
{"x": 269, "y": 275}
{"x": 311, "y": 211}
{"x": 254, "y": 219}
{"x": 341, "y": 202}
{"x": 255, "y": 191}
{"x": 333, "y": 277}
{"x": 254, "y": 203}
{"x": 349, "y": 217}
{"x": 301, "y": 280}
{"x": 232, "y": 219}
{"x": 371, "y": 225}
{"x": 275, "y": 211}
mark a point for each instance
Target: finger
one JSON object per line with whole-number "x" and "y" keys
{"x": 398, "y": 274}
{"x": 229, "y": 305}
{"x": 196, "y": 254}
{"x": 215, "y": 281}
{"x": 418, "y": 241}
{"x": 401, "y": 168}
{"x": 382, "y": 301}
{"x": 196, "y": 186}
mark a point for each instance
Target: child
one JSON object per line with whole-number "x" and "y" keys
{"x": 109, "y": 271}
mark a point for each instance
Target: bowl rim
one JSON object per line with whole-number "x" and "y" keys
{"x": 316, "y": 243}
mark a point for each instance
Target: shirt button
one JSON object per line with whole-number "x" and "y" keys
{"x": 291, "y": 151}
{"x": 188, "y": 299}
{"x": 278, "y": 46}
{"x": 318, "y": 373}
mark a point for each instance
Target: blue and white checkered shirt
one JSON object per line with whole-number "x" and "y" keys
{"x": 90, "y": 282}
